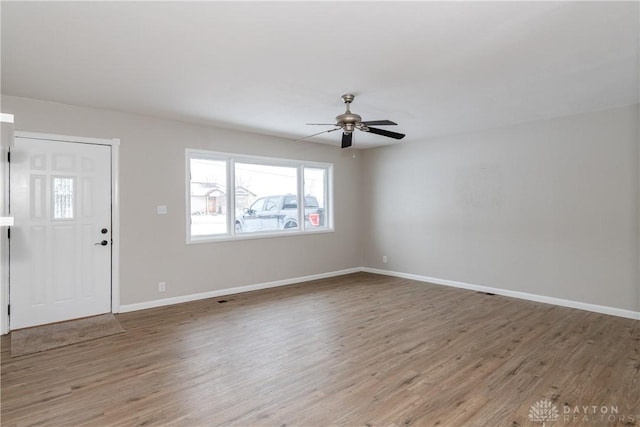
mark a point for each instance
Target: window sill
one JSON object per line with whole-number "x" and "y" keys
{"x": 253, "y": 236}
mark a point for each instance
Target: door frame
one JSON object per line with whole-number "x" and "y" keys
{"x": 114, "y": 143}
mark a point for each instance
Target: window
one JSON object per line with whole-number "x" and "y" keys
{"x": 265, "y": 200}
{"x": 315, "y": 192}
{"x": 273, "y": 186}
{"x": 208, "y": 202}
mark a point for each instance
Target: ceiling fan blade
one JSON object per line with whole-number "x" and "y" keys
{"x": 319, "y": 133}
{"x": 379, "y": 123}
{"x": 347, "y": 138}
{"x": 387, "y": 133}
{"x": 320, "y": 124}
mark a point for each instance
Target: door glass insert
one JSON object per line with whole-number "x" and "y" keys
{"x": 63, "y": 198}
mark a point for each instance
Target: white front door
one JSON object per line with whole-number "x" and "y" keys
{"x": 60, "y": 244}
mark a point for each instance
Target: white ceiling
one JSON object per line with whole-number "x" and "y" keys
{"x": 433, "y": 67}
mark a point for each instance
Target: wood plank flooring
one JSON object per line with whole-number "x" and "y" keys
{"x": 356, "y": 350}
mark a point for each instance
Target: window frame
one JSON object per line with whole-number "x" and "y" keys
{"x": 230, "y": 160}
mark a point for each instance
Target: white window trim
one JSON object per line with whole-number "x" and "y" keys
{"x": 231, "y": 159}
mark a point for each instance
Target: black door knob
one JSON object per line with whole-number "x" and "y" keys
{"x": 103, "y": 243}
{"x": 104, "y": 231}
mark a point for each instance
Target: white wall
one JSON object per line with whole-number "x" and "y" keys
{"x": 152, "y": 173}
{"x": 547, "y": 208}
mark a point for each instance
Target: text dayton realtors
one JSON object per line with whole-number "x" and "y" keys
{"x": 594, "y": 413}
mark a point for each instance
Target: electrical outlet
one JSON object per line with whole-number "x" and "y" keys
{"x": 384, "y": 259}
{"x": 162, "y": 286}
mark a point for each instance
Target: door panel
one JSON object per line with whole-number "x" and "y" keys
{"x": 61, "y": 200}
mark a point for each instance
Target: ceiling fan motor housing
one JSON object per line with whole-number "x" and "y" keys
{"x": 348, "y": 120}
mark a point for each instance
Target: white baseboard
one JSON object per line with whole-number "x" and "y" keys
{"x": 229, "y": 291}
{"x": 613, "y": 311}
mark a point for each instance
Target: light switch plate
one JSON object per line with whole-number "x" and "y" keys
{"x": 162, "y": 210}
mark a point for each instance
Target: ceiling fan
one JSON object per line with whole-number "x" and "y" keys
{"x": 348, "y": 122}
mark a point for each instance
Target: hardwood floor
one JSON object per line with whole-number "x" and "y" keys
{"x": 361, "y": 349}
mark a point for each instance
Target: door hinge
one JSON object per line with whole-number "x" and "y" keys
{"x": 9, "y": 309}
{"x": 8, "y": 156}
{"x": 9, "y": 233}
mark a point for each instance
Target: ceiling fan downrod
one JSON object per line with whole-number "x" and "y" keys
{"x": 348, "y": 120}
